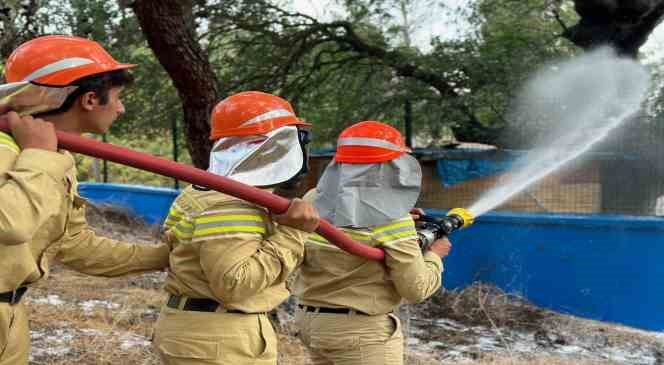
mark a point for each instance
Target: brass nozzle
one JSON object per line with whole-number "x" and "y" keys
{"x": 467, "y": 217}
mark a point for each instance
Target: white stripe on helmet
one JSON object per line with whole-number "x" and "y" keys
{"x": 369, "y": 142}
{"x": 58, "y": 66}
{"x": 277, "y": 113}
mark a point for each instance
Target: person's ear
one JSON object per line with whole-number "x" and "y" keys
{"x": 89, "y": 101}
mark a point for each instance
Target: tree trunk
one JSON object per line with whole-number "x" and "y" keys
{"x": 173, "y": 41}
{"x": 623, "y": 24}
{"x": 632, "y": 181}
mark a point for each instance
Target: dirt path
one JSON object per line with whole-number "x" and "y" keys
{"x": 77, "y": 319}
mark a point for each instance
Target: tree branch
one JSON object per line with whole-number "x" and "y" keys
{"x": 177, "y": 49}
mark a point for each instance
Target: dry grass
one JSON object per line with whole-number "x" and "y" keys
{"x": 99, "y": 336}
{"x": 118, "y": 329}
{"x": 542, "y": 360}
{"x": 124, "y": 314}
{"x": 485, "y": 305}
{"x": 116, "y": 222}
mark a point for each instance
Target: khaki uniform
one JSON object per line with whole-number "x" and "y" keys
{"x": 332, "y": 278}
{"x": 42, "y": 217}
{"x": 231, "y": 252}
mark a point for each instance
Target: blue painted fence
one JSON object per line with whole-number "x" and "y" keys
{"x": 149, "y": 203}
{"x": 609, "y": 268}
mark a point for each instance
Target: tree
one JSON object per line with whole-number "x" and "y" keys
{"x": 623, "y": 24}
{"x": 168, "y": 27}
{"x": 300, "y": 36}
{"x": 18, "y": 22}
{"x": 359, "y": 65}
{"x": 628, "y": 185}
{"x": 259, "y": 45}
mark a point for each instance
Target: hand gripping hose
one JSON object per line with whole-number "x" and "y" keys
{"x": 143, "y": 161}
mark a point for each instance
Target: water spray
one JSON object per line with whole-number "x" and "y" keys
{"x": 566, "y": 109}
{"x": 430, "y": 229}
{"x": 572, "y": 105}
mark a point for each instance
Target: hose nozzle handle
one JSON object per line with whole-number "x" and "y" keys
{"x": 430, "y": 229}
{"x": 464, "y": 215}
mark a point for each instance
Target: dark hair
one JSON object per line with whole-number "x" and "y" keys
{"x": 100, "y": 84}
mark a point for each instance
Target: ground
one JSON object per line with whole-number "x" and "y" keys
{"x": 85, "y": 320}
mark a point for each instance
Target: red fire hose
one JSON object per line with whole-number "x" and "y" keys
{"x": 143, "y": 161}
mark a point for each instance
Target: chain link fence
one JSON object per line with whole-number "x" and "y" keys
{"x": 623, "y": 175}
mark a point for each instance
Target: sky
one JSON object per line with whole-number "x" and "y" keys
{"x": 434, "y": 21}
{"x": 438, "y": 23}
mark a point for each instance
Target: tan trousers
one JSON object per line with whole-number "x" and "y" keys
{"x": 351, "y": 339}
{"x": 193, "y": 338}
{"x": 14, "y": 335}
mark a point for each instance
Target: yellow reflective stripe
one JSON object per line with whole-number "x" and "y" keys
{"x": 175, "y": 214}
{"x": 182, "y": 234}
{"x": 228, "y": 218}
{"x": 220, "y": 223}
{"x": 402, "y": 229}
{"x": 375, "y": 244}
{"x": 175, "y": 211}
{"x": 230, "y": 211}
{"x": 317, "y": 238}
{"x": 186, "y": 223}
{"x": 228, "y": 229}
{"x": 395, "y": 236}
{"x": 8, "y": 142}
{"x": 8, "y": 139}
{"x": 171, "y": 221}
{"x": 400, "y": 224}
{"x": 179, "y": 223}
{"x": 11, "y": 146}
{"x": 358, "y": 236}
{"x": 321, "y": 244}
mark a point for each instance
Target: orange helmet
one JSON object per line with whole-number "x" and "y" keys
{"x": 59, "y": 60}
{"x": 369, "y": 142}
{"x": 251, "y": 113}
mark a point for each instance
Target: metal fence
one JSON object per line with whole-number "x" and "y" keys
{"x": 623, "y": 175}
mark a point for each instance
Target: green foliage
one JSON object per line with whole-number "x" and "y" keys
{"x": 334, "y": 82}
{"x": 512, "y": 40}
{"x": 152, "y": 103}
{"x": 331, "y": 81}
{"x": 161, "y": 146}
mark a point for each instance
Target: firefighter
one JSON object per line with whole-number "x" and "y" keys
{"x": 231, "y": 258}
{"x": 346, "y": 303}
{"x": 41, "y": 214}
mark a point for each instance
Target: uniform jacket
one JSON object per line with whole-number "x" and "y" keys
{"x": 230, "y": 251}
{"x": 42, "y": 217}
{"x": 330, "y": 277}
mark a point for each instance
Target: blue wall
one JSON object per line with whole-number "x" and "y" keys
{"x": 151, "y": 204}
{"x": 609, "y": 268}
